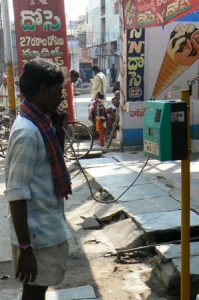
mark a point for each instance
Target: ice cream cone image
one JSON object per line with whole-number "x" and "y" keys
{"x": 181, "y": 53}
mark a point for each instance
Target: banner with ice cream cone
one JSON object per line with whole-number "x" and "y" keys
{"x": 182, "y": 51}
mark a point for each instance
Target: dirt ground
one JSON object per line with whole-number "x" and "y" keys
{"x": 93, "y": 262}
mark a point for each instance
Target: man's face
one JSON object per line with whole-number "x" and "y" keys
{"x": 115, "y": 102}
{"x": 96, "y": 98}
{"x": 52, "y": 97}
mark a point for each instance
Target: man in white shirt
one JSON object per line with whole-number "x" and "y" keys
{"x": 99, "y": 82}
{"x": 37, "y": 181}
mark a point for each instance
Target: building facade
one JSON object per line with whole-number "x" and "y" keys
{"x": 102, "y": 32}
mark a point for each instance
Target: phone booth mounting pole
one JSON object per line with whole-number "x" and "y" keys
{"x": 185, "y": 210}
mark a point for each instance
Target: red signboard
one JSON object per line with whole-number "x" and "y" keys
{"x": 149, "y": 13}
{"x": 40, "y": 27}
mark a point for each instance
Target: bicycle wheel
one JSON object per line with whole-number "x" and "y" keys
{"x": 4, "y": 135}
{"x": 3, "y": 146}
{"x": 78, "y": 141}
{"x": 3, "y": 149}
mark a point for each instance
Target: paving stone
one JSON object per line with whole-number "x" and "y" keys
{"x": 97, "y": 162}
{"x": 10, "y": 294}
{"x": 5, "y": 253}
{"x": 115, "y": 175}
{"x": 90, "y": 223}
{"x": 108, "y": 211}
{"x": 162, "y": 221}
{"x": 137, "y": 192}
{"x": 174, "y": 251}
{"x": 78, "y": 293}
{"x": 168, "y": 271}
{"x": 165, "y": 273}
{"x": 124, "y": 234}
{"x": 194, "y": 265}
{"x": 194, "y": 203}
{"x": 151, "y": 205}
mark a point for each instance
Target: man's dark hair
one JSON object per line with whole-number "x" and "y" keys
{"x": 74, "y": 75}
{"x": 96, "y": 69}
{"x": 39, "y": 72}
{"x": 100, "y": 95}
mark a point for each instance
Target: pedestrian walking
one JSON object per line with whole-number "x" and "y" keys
{"x": 37, "y": 181}
{"x": 113, "y": 73}
{"x": 99, "y": 82}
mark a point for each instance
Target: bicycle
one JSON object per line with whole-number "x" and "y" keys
{"x": 78, "y": 140}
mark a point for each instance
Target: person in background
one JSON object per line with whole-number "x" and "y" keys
{"x": 74, "y": 75}
{"x": 111, "y": 112}
{"x": 37, "y": 181}
{"x": 113, "y": 74}
{"x": 99, "y": 82}
{"x": 4, "y": 92}
{"x": 96, "y": 108}
{"x": 116, "y": 87}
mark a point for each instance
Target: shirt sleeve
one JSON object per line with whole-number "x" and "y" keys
{"x": 96, "y": 84}
{"x": 19, "y": 166}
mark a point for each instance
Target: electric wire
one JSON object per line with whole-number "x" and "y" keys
{"x": 89, "y": 185}
{"x": 76, "y": 157}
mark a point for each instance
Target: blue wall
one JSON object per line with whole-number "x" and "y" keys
{"x": 192, "y": 17}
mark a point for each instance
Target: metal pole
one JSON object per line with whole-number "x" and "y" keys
{"x": 185, "y": 210}
{"x": 2, "y": 63}
{"x": 121, "y": 75}
{"x": 9, "y": 61}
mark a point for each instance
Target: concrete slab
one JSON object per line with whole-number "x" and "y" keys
{"x": 107, "y": 211}
{"x": 128, "y": 157}
{"x": 138, "y": 192}
{"x": 5, "y": 253}
{"x": 164, "y": 221}
{"x": 90, "y": 223}
{"x": 174, "y": 251}
{"x": 167, "y": 268}
{"x": 150, "y": 205}
{"x": 77, "y": 293}
{"x": 116, "y": 178}
{"x": 196, "y": 210}
{"x": 110, "y": 176}
{"x": 194, "y": 265}
{"x": 124, "y": 234}
{"x": 97, "y": 162}
{"x": 10, "y": 294}
{"x": 163, "y": 183}
{"x": 194, "y": 202}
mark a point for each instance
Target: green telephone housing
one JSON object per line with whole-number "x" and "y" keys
{"x": 165, "y": 130}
